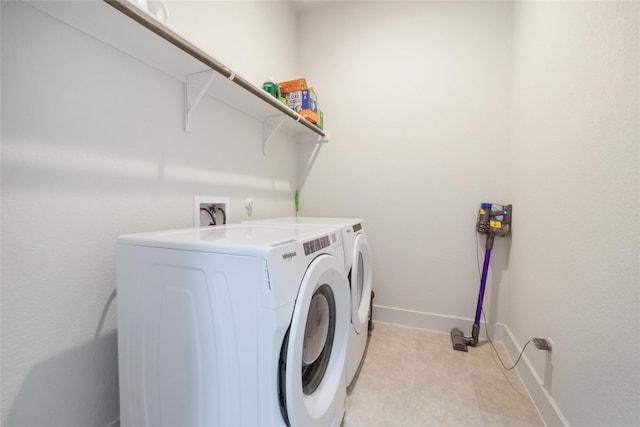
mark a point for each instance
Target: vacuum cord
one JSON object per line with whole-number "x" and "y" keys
{"x": 493, "y": 348}
{"x": 496, "y": 351}
{"x": 485, "y": 322}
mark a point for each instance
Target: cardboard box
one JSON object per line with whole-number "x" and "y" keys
{"x": 293, "y": 86}
{"x": 295, "y": 100}
{"x": 305, "y": 103}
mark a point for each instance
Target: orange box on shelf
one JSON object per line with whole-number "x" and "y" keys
{"x": 293, "y": 85}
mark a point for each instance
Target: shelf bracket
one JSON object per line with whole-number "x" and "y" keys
{"x": 311, "y": 160}
{"x": 266, "y": 138}
{"x": 189, "y": 107}
{"x": 318, "y": 140}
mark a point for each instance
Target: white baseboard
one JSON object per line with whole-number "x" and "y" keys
{"x": 433, "y": 322}
{"x": 547, "y": 407}
{"x": 549, "y": 411}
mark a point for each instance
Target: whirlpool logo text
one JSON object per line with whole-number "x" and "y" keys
{"x": 289, "y": 255}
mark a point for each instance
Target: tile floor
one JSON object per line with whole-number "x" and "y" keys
{"x": 412, "y": 377}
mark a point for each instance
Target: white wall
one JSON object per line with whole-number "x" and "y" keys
{"x": 259, "y": 36}
{"x": 93, "y": 147}
{"x": 425, "y": 124}
{"x": 417, "y": 101}
{"x": 574, "y": 273}
{"x": 435, "y": 107}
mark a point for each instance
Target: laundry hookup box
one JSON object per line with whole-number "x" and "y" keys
{"x": 305, "y": 103}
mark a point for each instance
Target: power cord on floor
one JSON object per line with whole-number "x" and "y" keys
{"x": 496, "y": 351}
{"x": 486, "y": 329}
{"x": 503, "y": 371}
{"x": 493, "y": 347}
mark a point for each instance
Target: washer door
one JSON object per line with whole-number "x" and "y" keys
{"x": 361, "y": 284}
{"x": 314, "y": 379}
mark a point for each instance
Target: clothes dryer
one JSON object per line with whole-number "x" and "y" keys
{"x": 358, "y": 265}
{"x": 241, "y": 325}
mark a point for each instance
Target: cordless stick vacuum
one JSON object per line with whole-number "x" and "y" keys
{"x": 493, "y": 220}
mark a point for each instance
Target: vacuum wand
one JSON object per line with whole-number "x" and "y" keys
{"x": 493, "y": 220}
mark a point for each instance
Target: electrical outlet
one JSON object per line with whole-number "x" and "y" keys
{"x": 541, "y": 344}
{"x": 210, "y": 211}
{"x": 552, "y": 356}
{"x": 551, "y": 342}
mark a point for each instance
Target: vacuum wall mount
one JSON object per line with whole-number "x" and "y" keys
{"x": 493, "y": 220}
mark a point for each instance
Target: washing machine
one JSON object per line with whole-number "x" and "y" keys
{"x": 243, "y": 325}
{"x": 358, "y": 265}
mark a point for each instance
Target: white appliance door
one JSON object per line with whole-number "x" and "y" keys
{"x": 361, "y": 284}
{"x": 314, "y": 378}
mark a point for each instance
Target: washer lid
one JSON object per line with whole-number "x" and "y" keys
{"x": 233, "y": 238}
{"x": 314, "y": 379}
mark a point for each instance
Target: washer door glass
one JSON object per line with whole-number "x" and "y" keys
{"x": 318, "y": 338}
{"x": 312, "y": 363}
{"x": 361, "y": 284}
{"x": 360, "y": 277}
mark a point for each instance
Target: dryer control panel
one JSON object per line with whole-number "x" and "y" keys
{"x": 316, "y": 245}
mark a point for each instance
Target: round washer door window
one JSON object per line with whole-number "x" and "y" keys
{"x": 316, "y": 347}
{"x": 318, "y": 338}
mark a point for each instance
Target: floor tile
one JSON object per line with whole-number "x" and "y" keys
{"x": 412, "y": 377}
{"x": 379, "y": 405}
{"x": 494, "y": 420}
{"x": 434, "y": 348}
{"x": 442, "y": 413}
{"x": 497, "y": 396}
{"x": 443, "y": 384}
{"x": 388, "y": 369}
{"x": 487, "y": 359}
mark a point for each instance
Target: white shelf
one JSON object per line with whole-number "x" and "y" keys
{"x": 131, "y": 30}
